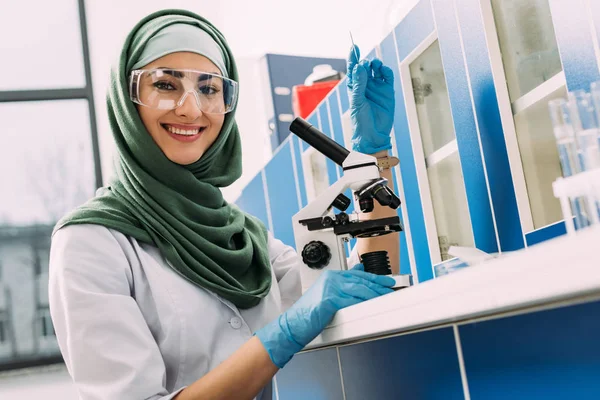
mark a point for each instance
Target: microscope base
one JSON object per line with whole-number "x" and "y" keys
{"x": 402, "y": 281}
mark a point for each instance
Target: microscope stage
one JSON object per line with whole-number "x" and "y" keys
{"x": 402, "y": 281}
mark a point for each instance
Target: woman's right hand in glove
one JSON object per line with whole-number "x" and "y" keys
{"x": 334, "y": 290}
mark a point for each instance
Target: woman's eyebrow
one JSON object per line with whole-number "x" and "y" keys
{"x": 171, "y": 71}
{"x": 207, "y": 76}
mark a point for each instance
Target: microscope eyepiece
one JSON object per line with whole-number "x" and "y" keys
{"x": 321, "y": 142}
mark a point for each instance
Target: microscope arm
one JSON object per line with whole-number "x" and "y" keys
{"x": 390, "y": 243}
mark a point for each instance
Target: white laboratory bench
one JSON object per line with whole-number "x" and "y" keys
{"x": 562, "y": 270}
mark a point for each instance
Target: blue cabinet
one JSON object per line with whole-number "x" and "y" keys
{"x": 502, "y": 145}
{"x": 503, "y": 151}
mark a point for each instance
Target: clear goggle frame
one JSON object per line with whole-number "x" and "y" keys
{"x": 167, "y": 89}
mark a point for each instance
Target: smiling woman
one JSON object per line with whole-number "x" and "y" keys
{"x": 182, "y": 118}
{"x": 159, "y": 288}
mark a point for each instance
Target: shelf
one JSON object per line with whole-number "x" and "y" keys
{"x": 562, "y": 269}
{"x": 539, "y": 93}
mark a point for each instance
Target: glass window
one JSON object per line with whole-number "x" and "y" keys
{"x": 431, "y": 97}
{"x": 47, "y": 164}
{"x": 446, "y": 182}
{"x": 450, "y": 204}
{"x": 528, "y": 43}
{"x": 531, "y": 63}
{"x": 540, "y": 160}
{"x": 46, "y": 169}
{"x": 45, "y": 30}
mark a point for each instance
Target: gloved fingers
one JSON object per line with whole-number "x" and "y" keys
{"x": 382, "y": 72}
{"x": 380, "y": 93}
{"x": 361, "y": 281}
{"x": 365, "y": 292}
{"x": 351, "y": 62}
{"x": 387, "y": 74}
{"x": 382, "y": 280}
{"x": 359, "y": 81}
{"x": 358, "y": 267}
{"x": 347, "y": 300}
{"x": 376, "y": 68}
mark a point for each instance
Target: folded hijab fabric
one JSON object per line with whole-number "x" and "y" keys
{"x": 180, "y": 209}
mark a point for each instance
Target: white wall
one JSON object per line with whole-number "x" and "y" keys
{"x": 252, "y": 28}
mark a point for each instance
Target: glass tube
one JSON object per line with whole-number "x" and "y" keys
{"x": 595, "y": 92}
{"x": 585, "y": 124}
{"x": 562, "y": 116}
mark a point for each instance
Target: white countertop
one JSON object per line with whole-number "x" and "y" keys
{"x": 564, "y": 268}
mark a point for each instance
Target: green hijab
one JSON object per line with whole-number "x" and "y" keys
{"x": 180, "y": 209}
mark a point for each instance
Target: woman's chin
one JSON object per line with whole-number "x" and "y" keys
{"x": 184, "y": 159}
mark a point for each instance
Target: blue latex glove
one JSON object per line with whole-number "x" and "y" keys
{"x": 372, "y": 103}
{"x": 334, "y": 290}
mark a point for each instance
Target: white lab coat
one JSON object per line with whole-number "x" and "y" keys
{"x": 130, "y": 327}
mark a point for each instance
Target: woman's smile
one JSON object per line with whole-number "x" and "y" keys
{"x": 184, "y": 133}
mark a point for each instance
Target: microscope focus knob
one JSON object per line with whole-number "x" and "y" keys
{"x": 316, "y": 254}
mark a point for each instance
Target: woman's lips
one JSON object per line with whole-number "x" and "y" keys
{"x": 184, "y": 133}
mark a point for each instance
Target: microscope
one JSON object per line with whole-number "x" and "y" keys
{"x": 321, "y": 234}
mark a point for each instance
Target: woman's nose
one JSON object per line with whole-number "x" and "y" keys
{"x": 189, "y": 106}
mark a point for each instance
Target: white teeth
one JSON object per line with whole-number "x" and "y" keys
{"x": 178, "y": 131}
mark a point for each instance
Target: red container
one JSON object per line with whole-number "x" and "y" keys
{"x": 306, "y": 98}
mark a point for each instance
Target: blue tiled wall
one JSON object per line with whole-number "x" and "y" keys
{"x": 283, "y": 195}
{"x": 314, "y": 375}
{"x": 546, "y": 355}
{"x": 399, "y": 368}
{"x": 552, "y": 354}
{"x": 325, "y": 127}
{"x": 252, "y": 200}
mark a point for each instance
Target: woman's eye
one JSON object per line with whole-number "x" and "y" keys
{"x": 163, "y": 86}
{"x": 208, "y": 90}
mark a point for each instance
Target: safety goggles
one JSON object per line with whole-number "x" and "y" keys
{"x": 167, "y": 89}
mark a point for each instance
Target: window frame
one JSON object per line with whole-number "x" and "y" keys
{"x": 82, "y": 93}
{"x": 424, "y": 163}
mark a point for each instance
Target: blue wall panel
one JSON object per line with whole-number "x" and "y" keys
{"x": 326, "y": 129}
{"x": 283, "y": 197}
{"x": 252, "y": 199}
{"x": 337, "y": 133}
{"x": 313, "y": 375}
{"x": 297, "y": 145}
{"x": 414, "y": 28}
{"x": 414, "y": 208}
{"x": 344, "y": 100}
{"x": 574, "y": 37}
{"x": 418, "y": 366}
{"x": 546, "y": 233}
{"x": 404, "y": 258}
{"x": 490, "y": 126}
{"x": 552, "y": 354}
{"x": 464, "y": 125}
